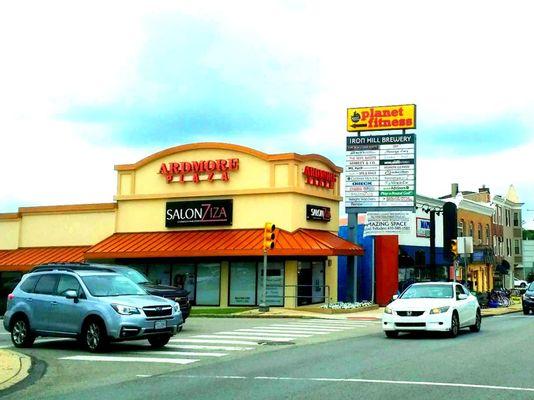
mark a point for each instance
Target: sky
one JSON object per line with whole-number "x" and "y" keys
{"x": 87, "y": 85}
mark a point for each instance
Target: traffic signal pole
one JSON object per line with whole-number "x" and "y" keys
{"x": 263, "y": 305}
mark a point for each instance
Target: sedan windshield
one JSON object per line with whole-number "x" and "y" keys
{"x": 531, "y": 287}
{"x": 111, "y": 285}
{"x": 428, "y": 292}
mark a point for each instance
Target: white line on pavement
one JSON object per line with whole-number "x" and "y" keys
{"x": 311, "y": 328}
{"x": 248, "y": 333}
{"x": 275, "y": 332}
{"x": 289, "y": 331}
{"x": 252, "y": 337}
{"x": 331, "y": 325}
{"x": 242, "y": 342}
{"x": 185, "y": 353}
{"x": 200, "y": 347}
{"x": 356, "y": 380}
{"x": 130, "y": 359}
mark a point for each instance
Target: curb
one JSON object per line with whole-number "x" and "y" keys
{"x": 15, "y": 368}
{"x": 502, "y": 313}
{"x": 253, "y": 316}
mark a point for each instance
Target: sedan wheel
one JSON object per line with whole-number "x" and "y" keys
{"x": 455, "y": 326}
{"x": 478, "y": 323}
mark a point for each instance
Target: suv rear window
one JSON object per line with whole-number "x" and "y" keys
{"x": 46, "y": 284}
{"x": 29, "y": 283}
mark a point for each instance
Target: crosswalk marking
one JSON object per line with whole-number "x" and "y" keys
{"x": 243, "y": 342}
{"x": 311, "y": 328}
{"x": 249, "y": 332}
{"x": 191, "y": 349}
{"x": 130, "y": 359}
{"x": 279, "y": 332}
{"x": 289, "y": 331}
{"x": 186, "y": 353}
{"x": 201, "y": 347}
{"x": 278, "y": 339}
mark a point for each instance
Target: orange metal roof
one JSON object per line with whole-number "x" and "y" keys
{"x": 217, "y": 243}
{"x": 24, "y": 259}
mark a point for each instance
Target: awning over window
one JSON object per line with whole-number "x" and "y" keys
{"x": 219, "y": 243}
{"x": 24, "y": 259}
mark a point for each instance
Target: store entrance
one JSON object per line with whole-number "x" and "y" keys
{"x": 310, "y": 282}
{"x": 304, "y": 282}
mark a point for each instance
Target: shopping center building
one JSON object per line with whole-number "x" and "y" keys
{"x": 193, "y": 216}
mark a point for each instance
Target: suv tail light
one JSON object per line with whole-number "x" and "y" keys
{"x": 10, "y": 296}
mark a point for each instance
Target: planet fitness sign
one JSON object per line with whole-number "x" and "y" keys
{"x": 381, "y": 118}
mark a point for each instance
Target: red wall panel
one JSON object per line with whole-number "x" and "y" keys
{"x": 386, "y": 268}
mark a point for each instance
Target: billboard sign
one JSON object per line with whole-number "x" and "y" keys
{"x": 388, "y": 223}
{"x": 380, "y": 172}
{"x": 381, "y": 118}
{"x": 422, "y": 227}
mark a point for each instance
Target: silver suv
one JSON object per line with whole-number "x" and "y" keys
{"x": 92, "y": 304}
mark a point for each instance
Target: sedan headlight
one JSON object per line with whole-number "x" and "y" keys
{"x": 439, "y": 310}
{"x": 388, "y": 310}
{"x": 125, "y": 310}
{"x": 176, "y": 307}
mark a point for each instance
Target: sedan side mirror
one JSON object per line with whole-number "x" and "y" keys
{"x": 462, "y": 296}
{"x": 71, "y": 294}
{"x": 395, "y": 297}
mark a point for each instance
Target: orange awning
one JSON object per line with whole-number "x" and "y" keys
{"x": 220, "y": 243}
{"x": 24, "y": 259}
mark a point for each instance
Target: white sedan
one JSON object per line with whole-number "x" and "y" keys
{"x": 432, "y": 306}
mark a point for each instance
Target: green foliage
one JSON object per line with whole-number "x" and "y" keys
{"x": 528, "y": 234}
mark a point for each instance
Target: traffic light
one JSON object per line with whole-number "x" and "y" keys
{"x": 454, "y": 247}
{"x": 269, "y": 236}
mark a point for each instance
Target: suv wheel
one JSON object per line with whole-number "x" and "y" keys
{"x": 159, "y": 341}
{"x": 21, "y": 335}
{"x": 94, "y": 336}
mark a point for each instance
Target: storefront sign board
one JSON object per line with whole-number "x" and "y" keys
{"x": 318, "y": 213}
{"x": 198, "y": 213}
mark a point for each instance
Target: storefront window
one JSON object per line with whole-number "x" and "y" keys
{"x": 310, "y": 280}
{"x": 183, "y": 277}
{"x": 243, "y": 283}
{"x": 275, "y": 283}
{"x": 160, "y": 274}
{"x": 208, "y": 284}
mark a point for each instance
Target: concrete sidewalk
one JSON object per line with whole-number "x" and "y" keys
{"x": 14, "y": 367}
{"x": 375, "y": 314}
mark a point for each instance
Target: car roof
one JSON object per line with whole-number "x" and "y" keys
{"x": 434, "y": 283}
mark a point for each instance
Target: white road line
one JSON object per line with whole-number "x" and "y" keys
{"x": 130, "y": 359}
{"x": 278, "y": 332}
{"x": 5, "y": 333}
{"x": 311, "y": 328}
{"x": 242, "y": 342}
{"x": 248, "y": 333}
{"x": 200, "y": 347}
{"x": 334, "y": 321}
{"x": 332, "y": 325}
{"x": 288, "y": 331}
{"x": 356, "y": 380}
{"x": 185, "y": 353}
{"x": 272, "y": 339}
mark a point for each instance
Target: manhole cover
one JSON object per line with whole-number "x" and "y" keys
{"x": 276, "y": 343}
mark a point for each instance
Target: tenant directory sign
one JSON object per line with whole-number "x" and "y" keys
{"x": 380, "y": 172}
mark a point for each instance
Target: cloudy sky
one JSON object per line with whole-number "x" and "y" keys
{"x": 86, "y": 85}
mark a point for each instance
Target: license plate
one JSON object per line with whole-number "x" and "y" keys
{"x": 160, "y": 324}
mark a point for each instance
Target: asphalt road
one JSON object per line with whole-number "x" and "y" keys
{"x": 355, "y": 362}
